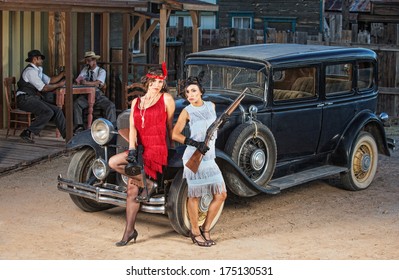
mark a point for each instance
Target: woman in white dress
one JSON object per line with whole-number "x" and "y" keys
{"x": 208, "y": 179}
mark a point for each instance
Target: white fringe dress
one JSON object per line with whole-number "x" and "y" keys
{"x": 208, "y": 178}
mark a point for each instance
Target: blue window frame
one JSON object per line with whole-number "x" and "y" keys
{"x": 242, "y": 19}
{"x": 276, "y": 19}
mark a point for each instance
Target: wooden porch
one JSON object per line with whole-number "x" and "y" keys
{"x": 66, "y": 39}
{"x": 15, "y": 154}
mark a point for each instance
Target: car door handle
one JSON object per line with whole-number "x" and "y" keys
{"x": 324, "y": 104}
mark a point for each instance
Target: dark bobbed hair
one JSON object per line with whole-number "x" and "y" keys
{"x": 157, "y": 71}
{"x": 192, "y": 80}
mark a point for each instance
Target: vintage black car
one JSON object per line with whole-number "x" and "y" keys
{"x": 309, "y": 113}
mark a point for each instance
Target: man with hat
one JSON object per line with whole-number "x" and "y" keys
{"x": 31, "y": 83}
{"x": 92, "y": 75}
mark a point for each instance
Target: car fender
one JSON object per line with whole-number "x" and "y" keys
{"x": 84, "y": 139}
{"x": 226, "y": 164}
{"x": 366, "y": 121}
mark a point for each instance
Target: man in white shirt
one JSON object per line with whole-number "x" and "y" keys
{"x": 31, "y": 83}
{"x": 92, "y": 75}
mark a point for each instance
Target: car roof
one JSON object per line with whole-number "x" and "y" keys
{"x": 284, "y": 53}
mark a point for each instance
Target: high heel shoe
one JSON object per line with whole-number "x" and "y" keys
{"x": 124, "y": 243}
{"x": 200, "y": 243}
{"x": 203, "y": 235}
{"x": 149, "y": 192}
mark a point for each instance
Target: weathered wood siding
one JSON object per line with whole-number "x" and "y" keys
{"x": 307, "y": 12}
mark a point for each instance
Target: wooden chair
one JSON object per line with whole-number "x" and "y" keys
{"x": 132, "y": 91}
{"x": 15, "y": 115}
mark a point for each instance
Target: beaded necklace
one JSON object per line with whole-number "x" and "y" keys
{"x": 143, "y": 108}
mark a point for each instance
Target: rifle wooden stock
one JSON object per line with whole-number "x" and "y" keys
{"x": 195, "y": 160}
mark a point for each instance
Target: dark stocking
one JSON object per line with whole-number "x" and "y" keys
{"x": 132, "y": 208}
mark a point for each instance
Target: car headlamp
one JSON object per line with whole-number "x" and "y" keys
{"x": 100, "y": 169}
{"x": 102, "y": 131}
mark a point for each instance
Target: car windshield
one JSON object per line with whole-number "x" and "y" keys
{"x": 230, "y": 78}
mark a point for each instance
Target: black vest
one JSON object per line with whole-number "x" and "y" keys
{"x": 26, "y": 87}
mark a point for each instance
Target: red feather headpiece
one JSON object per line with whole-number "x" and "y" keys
{"x": 164, "y": 71}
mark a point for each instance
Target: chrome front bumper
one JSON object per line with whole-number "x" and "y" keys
{"x": 391, "y": 143}
{"x": 109, "y": 194}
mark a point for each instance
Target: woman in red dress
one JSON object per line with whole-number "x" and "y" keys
{"x": 151, "y": 118}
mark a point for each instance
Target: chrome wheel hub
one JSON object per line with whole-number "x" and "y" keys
{"x": 366, "y": 162}
{"x": 205, "y": 201}
{"x": 258, "y": 159}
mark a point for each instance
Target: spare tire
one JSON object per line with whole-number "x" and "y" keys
{"x": 253, "y": 148}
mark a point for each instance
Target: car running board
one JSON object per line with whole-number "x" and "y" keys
{"x": 306, "y": 176}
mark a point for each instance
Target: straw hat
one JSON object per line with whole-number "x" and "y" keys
{"x": 90, "y": 54}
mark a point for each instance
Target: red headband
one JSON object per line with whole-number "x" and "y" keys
{"x": 164, "y": 71}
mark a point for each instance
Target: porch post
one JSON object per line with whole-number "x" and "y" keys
{"x": 125, "y": 56}
{"x": 69, "y": 76}
{"x": 196, "y": 23}
{"x": 162, "y": 34}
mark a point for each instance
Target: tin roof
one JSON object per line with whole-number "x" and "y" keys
{"x": 102, "y": 5}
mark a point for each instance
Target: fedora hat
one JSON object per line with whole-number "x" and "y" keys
{"x": 90, "y": 54}
{"x": 34, "y": 53}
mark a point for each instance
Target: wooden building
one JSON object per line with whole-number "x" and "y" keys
{"x": 292, "y": 15}
{"x": 374, "y": 25}
{"x": 64, "y": 29}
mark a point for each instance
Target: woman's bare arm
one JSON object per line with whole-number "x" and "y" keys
{"x": 132, "y": 127}
{"x": 179, "y": 126}
{"x": 170, "y": 111}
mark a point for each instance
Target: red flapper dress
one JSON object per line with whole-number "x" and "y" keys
{"x": 151, "y": 133}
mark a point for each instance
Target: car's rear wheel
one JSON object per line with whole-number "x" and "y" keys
{"x": 363, "y": 163}
{"x": 80, "y": 170}
{"x": 253, "y": 148}
{"x": 177, "y": 206}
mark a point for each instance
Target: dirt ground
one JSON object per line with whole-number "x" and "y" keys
{"x": 308, "y": 222}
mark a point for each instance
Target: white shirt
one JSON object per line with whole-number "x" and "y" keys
{"x": 35, "y": 76}
{"x": 99, "y": 74}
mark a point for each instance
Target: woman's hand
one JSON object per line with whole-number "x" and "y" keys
{"x": 201, "y": 146}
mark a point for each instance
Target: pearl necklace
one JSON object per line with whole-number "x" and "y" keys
{"x": 143, "y": 108}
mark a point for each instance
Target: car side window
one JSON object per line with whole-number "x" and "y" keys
{"x": 365, "y": 76}
{"x": 294, "y": 83}
{"x": 339, "y": 78}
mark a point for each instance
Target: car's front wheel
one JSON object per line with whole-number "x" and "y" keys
{"x": 80, "y": 170}
{"x": 177, "y": 206}
{"x": 363, "y": 163}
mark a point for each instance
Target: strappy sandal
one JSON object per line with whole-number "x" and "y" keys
{"x": 203, "y": 235}
{"x": 148, "y": 191}
{"x": 205, "y": 243}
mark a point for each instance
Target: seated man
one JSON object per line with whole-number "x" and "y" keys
{"x": 92, "y": 75}
{"x": 32, "y": 82}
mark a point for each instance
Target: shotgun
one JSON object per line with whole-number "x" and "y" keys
{"x": 195, "y": 160}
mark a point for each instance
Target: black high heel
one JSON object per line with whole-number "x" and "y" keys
{"x": 203, "y": 235}
{"x": 206, "y": 243}
{"x": 149, "y": 192}
{"x": 124, "y": 243}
